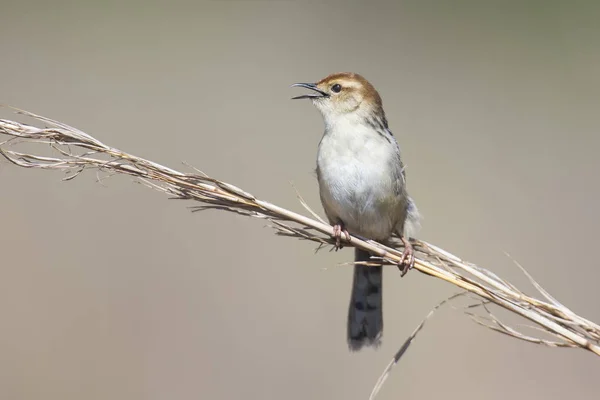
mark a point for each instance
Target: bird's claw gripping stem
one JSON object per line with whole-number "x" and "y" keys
{"x": 338, "y": 229}
{"x": 407, "y": 260}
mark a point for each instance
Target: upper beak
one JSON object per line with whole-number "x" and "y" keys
{"x": 310, "y": 86}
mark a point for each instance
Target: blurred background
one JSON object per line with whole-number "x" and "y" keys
{"x": 110, "y": 290}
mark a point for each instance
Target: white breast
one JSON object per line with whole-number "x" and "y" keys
{"x": 358, "y": 171}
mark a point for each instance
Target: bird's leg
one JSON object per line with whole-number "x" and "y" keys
{"x": 338, "y": 229}
{"x": 407, "y": 260}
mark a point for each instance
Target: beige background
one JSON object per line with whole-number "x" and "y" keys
{"x": 115, "y": 292}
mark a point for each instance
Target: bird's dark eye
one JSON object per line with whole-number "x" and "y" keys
{"x": 336, "y": 88}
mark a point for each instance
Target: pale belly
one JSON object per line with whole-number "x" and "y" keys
{"x": 361, "y": 186}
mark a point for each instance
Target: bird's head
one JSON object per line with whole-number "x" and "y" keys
{"x": 343, "y": 95}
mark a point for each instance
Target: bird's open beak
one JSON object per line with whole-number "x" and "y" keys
{"x": 310, "y": 86}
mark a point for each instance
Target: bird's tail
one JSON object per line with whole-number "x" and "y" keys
{"x": 365, "y": 318}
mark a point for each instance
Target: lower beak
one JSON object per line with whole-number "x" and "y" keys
{"x": 310, "y": 86}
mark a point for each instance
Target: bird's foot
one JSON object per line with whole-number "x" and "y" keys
{"x": 407, "y": 260}
{"x": 338, "y": 229}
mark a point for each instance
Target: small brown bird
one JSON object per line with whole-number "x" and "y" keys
{"x": 362, "y": 187}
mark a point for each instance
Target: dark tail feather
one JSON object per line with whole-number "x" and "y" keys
{"x": 365, "y": 318}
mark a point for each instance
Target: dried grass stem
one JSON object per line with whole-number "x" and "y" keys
{"x": 75, "y": 151}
